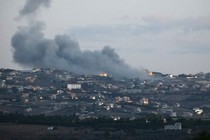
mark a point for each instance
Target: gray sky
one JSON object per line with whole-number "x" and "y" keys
{"x": 170, "y": 36}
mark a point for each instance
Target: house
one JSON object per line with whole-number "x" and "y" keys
{"x": 73, "y": 86}
{"x": 176, "y": 126}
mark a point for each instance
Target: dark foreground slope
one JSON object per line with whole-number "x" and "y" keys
{"x": 35, "y": 132}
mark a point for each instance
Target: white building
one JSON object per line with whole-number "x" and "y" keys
{"x": 73, "y": 86}
{"x": 176, "y": 126}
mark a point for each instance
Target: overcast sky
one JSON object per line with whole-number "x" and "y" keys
{"x": 170, "y": 36}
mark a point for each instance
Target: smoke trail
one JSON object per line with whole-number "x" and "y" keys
{"x": 32, "y": 49}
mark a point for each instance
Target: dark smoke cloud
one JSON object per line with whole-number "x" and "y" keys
{"x": 31, "y": 6}
{"x": 32, "y": 49}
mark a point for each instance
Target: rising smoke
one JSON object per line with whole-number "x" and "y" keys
{"x": 32, "y": 49}
{"x": 31, "y": 6}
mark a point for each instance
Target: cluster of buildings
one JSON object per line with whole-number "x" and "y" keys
{"x": 50, "y": 92}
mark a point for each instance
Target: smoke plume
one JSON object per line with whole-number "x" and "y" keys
{"x": 32, "y": 49}
{"x": 31, "y": 6}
